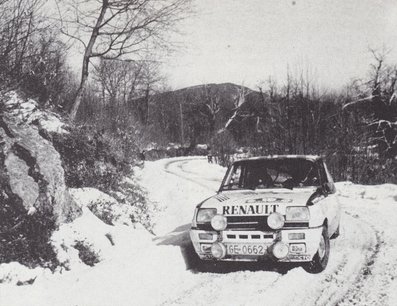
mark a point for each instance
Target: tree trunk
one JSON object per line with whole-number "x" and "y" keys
{"x": 146, "y": 106}
{"x": 86, "y": 61}
{"x": 79, "y": 95}
{"x": 182, "y": 127}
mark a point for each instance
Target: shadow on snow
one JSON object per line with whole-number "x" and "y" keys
{"x": 180, "y": 237}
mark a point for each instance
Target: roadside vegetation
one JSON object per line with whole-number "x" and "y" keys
{"x": 98, "y": 149}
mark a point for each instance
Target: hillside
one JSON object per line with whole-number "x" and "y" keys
{"x": 195, "y": 114}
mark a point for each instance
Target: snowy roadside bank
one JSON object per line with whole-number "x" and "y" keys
{"x": 124, "y": 258}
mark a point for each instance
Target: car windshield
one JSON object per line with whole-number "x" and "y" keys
{"x": 271, "y": 173}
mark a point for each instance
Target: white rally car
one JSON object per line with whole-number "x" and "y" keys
{"x": 283, "y": 208}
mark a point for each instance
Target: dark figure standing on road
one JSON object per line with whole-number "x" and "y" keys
{"x": 209, "y": 155}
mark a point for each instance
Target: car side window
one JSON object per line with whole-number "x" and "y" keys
{"x": 321, "y": 172}
{"x": 326, "y": 178}
{"x": 234, "y": 179}
{"x": 311, "y": 178}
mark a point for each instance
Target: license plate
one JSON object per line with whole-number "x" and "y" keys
{"x": 297, "y": 248}
{"x": 246, "y": 249}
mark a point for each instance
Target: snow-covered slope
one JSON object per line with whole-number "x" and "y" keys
{"x": 141, "y": 269}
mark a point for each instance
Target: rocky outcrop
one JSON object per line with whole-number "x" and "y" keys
{"x": 31, "y": 170}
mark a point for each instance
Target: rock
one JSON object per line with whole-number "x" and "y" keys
{"x": 20, "y": 182}
{"x": 31, "y": 166}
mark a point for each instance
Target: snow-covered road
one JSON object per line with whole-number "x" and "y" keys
{"x": 362, "y": 268}
{"x": 137, "y": 268}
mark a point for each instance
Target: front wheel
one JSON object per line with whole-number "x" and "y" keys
{"x": 320, "y": 259}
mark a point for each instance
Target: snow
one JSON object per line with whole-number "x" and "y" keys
{"x": 126, "y": 261}
{"x": 376, "y": 206}
{"x": 177, "y": 206}
{"x": 14, "y": 273}
{"x": 28, "y": 111}
{"x": 138, "y": 268}
{"x": 103, "y": 206}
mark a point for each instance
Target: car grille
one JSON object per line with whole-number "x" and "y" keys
{"x": 248, "y": 222}
{"x": 258, "y": 223}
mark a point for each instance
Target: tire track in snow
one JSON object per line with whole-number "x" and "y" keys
{"x": 355, "y": 294}
{"x": 375, "y": 206}
{"x": 183, "y": 168}
{"x": 349, "y": 276}
{"x": 189, "y": 292}
{"x": 349, "y": 255}
{"x": 178, "y": 174}
{"x": 226, "y": 289}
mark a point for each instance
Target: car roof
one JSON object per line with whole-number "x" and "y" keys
{"x": 311, "y": 158}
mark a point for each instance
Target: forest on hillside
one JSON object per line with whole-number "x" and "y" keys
{"x": 121, "y": 103}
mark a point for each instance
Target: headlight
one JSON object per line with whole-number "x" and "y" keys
{"x": 219, "y": 222}
{"x": 205, "y": 215}
{"x": 297, "y": 213}
{"x": 275, "y": 220}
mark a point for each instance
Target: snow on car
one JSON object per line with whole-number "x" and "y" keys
{"x": 283, "y": 208}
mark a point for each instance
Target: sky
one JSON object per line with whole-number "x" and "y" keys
{"x": 246, "y": 41}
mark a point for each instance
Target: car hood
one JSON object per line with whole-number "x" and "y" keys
{"x": 257, "y": 202}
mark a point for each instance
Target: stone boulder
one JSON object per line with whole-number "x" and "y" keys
{"x": 30, "y": 168}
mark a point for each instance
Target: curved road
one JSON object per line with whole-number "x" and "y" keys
{"x": 356, "y": 274}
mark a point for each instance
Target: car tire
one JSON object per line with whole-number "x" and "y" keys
{"x": 320, "y": 259}
{"x": 337, "y": 233}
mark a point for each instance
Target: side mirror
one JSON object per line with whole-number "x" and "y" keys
{"x": 328, "y": 188}
{"x": 316, "y": 196}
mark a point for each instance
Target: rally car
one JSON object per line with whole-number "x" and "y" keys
{"x": 283, "y": 208}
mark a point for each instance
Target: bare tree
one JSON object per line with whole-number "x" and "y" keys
{"x": 208, "y": 101}
{"x": 115, "y": 78}
{"x": 376, "y": 99}
{"x": 213, "y": 107}
{"x": 149, "y": 79}
{"x": 116, "y": 28}
{"x": 19, "y": 22}
{"x": 238, "y": 103}
{"x": 125, "y": 86}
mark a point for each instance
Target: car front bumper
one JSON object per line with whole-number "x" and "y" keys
{"x": 244, "y": 245}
